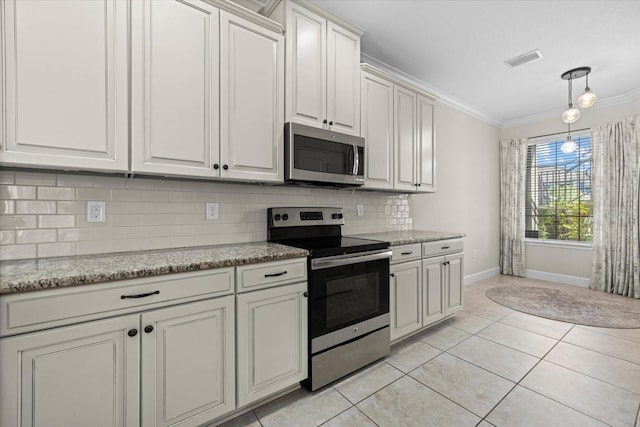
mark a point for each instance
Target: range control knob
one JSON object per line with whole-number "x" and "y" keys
{"x": 340, "y": 215}
{"x": 335, "y": 216}
{"x": 276, "y": 217}
{"x": 285, "y": 217}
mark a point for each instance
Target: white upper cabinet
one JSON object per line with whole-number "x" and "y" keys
{"x": 252, "y": 100}
{"x": 207, "y": 93}
{"x": 175, "y": 84}
{"x": 405, "y": 139}
{"x": 377, "y": 130}
{"x": 426, "y": 146}
{"x": 64, "y": 84}
{"x": 322, "y": 67}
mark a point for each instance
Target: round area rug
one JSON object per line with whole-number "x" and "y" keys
{"x": 580, "y": 306}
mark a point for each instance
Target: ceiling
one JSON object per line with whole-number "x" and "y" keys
{"x": 458, "y": 48}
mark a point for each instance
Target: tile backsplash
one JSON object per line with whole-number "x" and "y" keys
{"x": 45, "y": 214}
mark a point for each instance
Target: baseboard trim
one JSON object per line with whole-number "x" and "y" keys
{"x": 486, "y": 274}
{"x": 583, "y": 282}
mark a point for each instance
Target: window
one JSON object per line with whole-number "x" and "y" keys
{"x": 558, "y": 195}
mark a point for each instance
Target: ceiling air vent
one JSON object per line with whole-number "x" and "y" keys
{"x": 524, "y": 58}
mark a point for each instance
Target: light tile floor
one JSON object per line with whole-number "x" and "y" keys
{"x": 489, "y": 365}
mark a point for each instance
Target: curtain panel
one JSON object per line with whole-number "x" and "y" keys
{"x": 616, "y": 204}
{"x": 513, "y": 169}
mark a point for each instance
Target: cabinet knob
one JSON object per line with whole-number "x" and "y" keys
{"x": 305, "y": 294}
{"x": 132, "y": 332}
{"x": 225, "y": 167}
{"x": 331, "y": 123}
{"x": 392, "y": 275}
{"x": 148, "y": 329}
{"x": 216, "y": 166}
{"x": 324, "y": 121}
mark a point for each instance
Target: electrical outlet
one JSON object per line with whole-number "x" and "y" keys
{"x": 212, "y": 211}
{"x": 95, "y": 211}
{"x": 360, "y": 210}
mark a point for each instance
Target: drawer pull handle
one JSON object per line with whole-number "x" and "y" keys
{"x": 148, "y": 294}
{"x": 282, "y": 273}
{"x": 132, "y": 332}
{"x": 406, "y": 253}
{"x": 148, "y": 329}
{"x": 305, "y": 294}
{"x": 445, "y": 247}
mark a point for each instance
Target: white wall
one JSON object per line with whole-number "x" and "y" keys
{"x": 468, "y": 191}
{"x": 567, "y": 261}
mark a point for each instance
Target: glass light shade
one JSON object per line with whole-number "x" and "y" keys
{"x": 571, "y": 114}
{"x": 568, "y": 146}
{"x": 587, "y": 99}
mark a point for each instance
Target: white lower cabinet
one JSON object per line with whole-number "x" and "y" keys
{"x": 425, "y": 291}
{"x": 187, "y": 363}
{"x": 406, "y": 298}
{"x": 81, "y": 375}
{"x": 272, "y": 341}
{"x": 171, "y": 366}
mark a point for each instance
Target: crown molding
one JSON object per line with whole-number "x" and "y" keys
{"x": 248, "y": 14}
{"x": 442, "y": 96}
{"x": 271, "y": 5}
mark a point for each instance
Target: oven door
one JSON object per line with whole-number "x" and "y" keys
{"x": 347, "y": 290}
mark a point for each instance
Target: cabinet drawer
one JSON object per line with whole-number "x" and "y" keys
{"x": 405, "y": 253}
{"x": 264, "y": 275}
{"x": 54, "y": 307}
{"x": 441, "y": 247}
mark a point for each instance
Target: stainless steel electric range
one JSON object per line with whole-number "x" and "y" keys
{"x": 348, "y": 291}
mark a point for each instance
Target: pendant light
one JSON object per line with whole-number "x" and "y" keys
{"x": 568, "y": 146}
{"x": 586, "y": 100}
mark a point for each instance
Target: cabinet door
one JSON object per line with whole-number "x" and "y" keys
{"x": 272, "y": 341}
{"x": 65, "y": 97}
{"x": 405, "y": 301}
{"x": 174, "y": 87}
{"x": 83, "y": 375}
{"x": 377, "y": 129}
{"x": 252, "y": 100}
{"x": 454, "y": 282}
{"x": 426, "y": 146}
{"x": 432, "y": 290}
{"x": 306, "y": 66}
{"x": 188, "y": 363}
{"x": 405, "y": 139}
{"x": 343, "y": 80}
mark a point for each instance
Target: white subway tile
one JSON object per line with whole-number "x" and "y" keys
{"x": 66, "y": 207}
{"x": 17, "y": 192}
{"x": 33, "y": 207}
{"x": 48, "y": 250}
{"x": 17, "y": 252}
{"x": 175, "y": 230}
{"x": 167, "y": 242}
{"x": 126, "y": 195}
{"x": 35, "y": 178}
{"x": 141, "y": 184}
{"x": 113, "y": 233}
{"x": 35, "y": 236}
{"x": 7, "y": 177}
{"x": 206, "y": 197}
{"x": 56, "y": 193}
{"x": 126, "y": 245}
{"x": 7, "y": 237}
{"x": 155, "y": 196}
{"x": 56, "y": 221}
{"x": 168, "y": 185}
{"x": 75, "y": 234}
{"x": 95, "y": 194}
{"x": 128, "y": 220}
{"x": 181, "y": 196}
{"x": 93, "y": 247}
{"x": 109, "y": 182}
{"x": 7, "y": 207}
{"x": 13, "y": 222}
{"x": 193, "y": 186}
{"x": 74, "y": 180}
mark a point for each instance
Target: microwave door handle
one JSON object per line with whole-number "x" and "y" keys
{"x": 356, "y": 160}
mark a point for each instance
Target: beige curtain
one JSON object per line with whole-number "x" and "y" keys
{"x": 513, "y": 169}
{"x": 616, "y": 188}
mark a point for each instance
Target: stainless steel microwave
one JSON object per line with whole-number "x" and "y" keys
{"x": 322, "y": 156}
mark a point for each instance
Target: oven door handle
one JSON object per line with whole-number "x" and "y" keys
{"x": 337, "y": 261}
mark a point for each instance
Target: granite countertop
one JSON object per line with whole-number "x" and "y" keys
{"x": 411, "y": 236}
{"x": 28, "y": 275}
